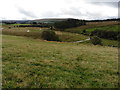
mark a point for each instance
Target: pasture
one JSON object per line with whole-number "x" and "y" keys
{"x": 34, "y": 63}
{"x": 93, "y": 25}
{"x": 28, "y": 61}
{"x": 35, "y": 32}
{"x": 108, "y": 28}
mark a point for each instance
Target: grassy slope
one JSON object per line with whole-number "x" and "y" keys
{"x": 92, "y": 25}
{"x": 98, "y": 25}
{"x": 109, "y": 28}
{"x": 36, "y": 33}
{"x": 33, "y": 63}
{"x": 106, "y": 42}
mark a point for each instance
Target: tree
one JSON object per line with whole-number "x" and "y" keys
{"x": 49, "y": 35}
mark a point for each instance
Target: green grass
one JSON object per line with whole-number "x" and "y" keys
{"x": 64, "y": 36}
{"x": 105, "y": 42}
{"x": 94, "y": 25}
{"x": 35, "y": 32}
{"x": 89, "y": 30}
{"x": 35, "y": 63}
{"x": 108, "y": 28}
{"x": 110, "y": 42}
{"x": 70, "y": 37}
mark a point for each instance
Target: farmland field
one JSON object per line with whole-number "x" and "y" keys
{"x": 28, "y": 61}
{"x": 93, "y": 25}
{"x": 108, "y": 28}
{"x": 35, "y": 63}
{"x": 35, "y": 32}
{"x": 57, "y": 44}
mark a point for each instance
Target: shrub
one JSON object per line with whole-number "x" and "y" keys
{"x": 107, "y": 34}
{"x": 96, "y": 40}
{"x": 49, "y": 35}
{"x": 84, "y": 31}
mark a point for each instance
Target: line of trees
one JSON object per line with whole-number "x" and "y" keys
{"x": 114, "y": 19}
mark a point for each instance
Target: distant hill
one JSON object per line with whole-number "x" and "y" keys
{"x": 15, "y": 21}
{"x": 50, "y": 20}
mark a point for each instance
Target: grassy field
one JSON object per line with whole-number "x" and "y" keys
{"x": 93, "y": 25}
{"x": 35, "y": 32}
{"x": 35, "y": 63}
{"x": 108, "y": 28}
{"x": 105, "y": 42}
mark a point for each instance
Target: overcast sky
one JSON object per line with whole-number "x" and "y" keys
{"x": 38, "y": 9}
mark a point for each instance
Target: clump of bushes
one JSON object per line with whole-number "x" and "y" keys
{"x": 84, "y": 32}
{"x": 112, "y": 35}
{"x": 96, "y": 40}
{"x": 49, "y": 35}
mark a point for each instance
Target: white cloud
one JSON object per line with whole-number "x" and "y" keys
{"x": 36, "y": 9}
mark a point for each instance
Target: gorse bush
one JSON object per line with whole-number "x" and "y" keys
{"x": 96, "y": 40}
{"x": 49, "y": 35}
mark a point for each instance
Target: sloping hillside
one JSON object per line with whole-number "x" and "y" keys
{"x": 90, "y": 25}
{"x": 50, "y": 20}
{"x": 41, "y": 64}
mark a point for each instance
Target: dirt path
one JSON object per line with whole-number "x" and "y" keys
{"x": 82, "y": 40}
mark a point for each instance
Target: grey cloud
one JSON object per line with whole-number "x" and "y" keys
{"x": 74, "y": 11}
{"x": 102, "y": 1}
{"x": 82, "y": 12}
{"x": 70, "y": 1}
{"x": 71, "y": 11}
{"x": 111, "y": 4}
{"x": 77, "y": 12}
{"x": 26, "y": 13}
